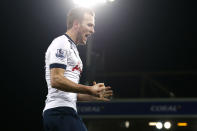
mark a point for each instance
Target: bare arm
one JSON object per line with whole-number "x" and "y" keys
{"x": 58, "y": 81}
{"x": 85, "y": 97}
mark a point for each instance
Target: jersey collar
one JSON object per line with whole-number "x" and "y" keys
{"x": 70, "y": 39}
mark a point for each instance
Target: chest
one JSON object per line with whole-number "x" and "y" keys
{"x": 74, "y": 62}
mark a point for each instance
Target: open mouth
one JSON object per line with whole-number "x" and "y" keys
{"x": 87, "y": 35}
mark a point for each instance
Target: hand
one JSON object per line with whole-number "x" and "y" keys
{"x": 96, "y": 89}
{"x": 105, "y": 94}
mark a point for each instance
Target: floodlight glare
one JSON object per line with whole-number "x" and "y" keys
{"x": 159, "y": 125}
{"x": 127, "y": 124}
{"x": 88, "y": 3}
{"x": 152, "y": 123}
{"x": 167, "y": 125}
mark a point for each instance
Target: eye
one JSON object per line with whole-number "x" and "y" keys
{"x": 90, "y": 25}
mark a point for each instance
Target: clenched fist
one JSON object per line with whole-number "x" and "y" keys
{"x": 104, "y": 93}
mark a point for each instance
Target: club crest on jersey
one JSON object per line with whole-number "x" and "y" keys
{"x": 61, "y": 53}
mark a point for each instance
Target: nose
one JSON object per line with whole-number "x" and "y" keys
{"x": 92, "y": 30}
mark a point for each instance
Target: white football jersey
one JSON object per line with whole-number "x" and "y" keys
{"x": 62, "y": 53}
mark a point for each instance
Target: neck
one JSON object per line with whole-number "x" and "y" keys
{"x": 72, "y": 35}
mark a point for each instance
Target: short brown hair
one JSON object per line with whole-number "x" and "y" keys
{"x": 77, "y": 14}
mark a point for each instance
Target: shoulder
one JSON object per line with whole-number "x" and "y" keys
{"x": 60, "y": 42}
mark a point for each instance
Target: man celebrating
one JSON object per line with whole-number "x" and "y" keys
{"x": 63, "y": 68}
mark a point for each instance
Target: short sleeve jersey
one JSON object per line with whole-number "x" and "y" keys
{"x": 62, "y": 53}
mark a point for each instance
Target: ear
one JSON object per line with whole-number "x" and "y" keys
{"x": 76, "y": 24}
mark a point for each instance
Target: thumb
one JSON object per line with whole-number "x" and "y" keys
{"x": 94, "y": 82}
{"x": 101, "y": 84}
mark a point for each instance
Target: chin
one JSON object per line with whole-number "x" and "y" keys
{"x": 84, "y": 42}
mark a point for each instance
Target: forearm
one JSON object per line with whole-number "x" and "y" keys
{"x": 64, "y": 84}
{"x": 85, "y": 97}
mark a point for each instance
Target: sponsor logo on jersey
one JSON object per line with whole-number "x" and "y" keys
{"x": 77, "y": 67}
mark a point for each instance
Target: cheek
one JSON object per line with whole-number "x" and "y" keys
{"x": 85, "y": 29}
{"x": 81, "y": 32}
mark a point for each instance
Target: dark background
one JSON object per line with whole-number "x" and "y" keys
{"x": 142, "y": 48}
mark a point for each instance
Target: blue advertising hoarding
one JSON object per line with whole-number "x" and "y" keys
{"x": 140, "y": 108}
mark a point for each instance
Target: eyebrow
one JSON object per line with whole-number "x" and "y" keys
{"x": 91, "y": 24}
